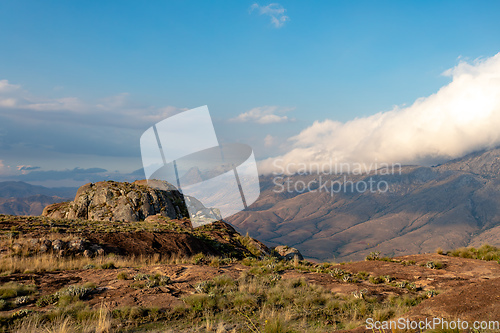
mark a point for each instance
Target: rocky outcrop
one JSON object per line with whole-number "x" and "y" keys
{"x": 288, "y": 253}
{"x": 157, "y": 236}
{"x": 57, "y": 246}
{"x": 203, "y": 214}
{"x": 114, "y": 201}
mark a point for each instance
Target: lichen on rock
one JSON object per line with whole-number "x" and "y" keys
{"x": 114, "y": 201}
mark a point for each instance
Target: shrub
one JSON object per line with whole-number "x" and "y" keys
{"x": 21, "y": 300}
{"x": 198, "y": 259}
{"x": 108, "y": 265}
{"x": 376, "y": 279}
{"x": 21, "y": 313}
{"x": 373, "y": 256}
{"x": 215, "y": 262}
{"x": 141, "y": 277}
{"x": 122, "y": 276}
{"x": 150, "y": 281}
{"x": 14, "y": 289}
{"x": 485, "y": 252}
{"x": 433, "y": 264}
{"x": 46, "y": 300}
{"x": 73, "y": 293}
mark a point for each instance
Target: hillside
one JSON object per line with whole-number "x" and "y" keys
{"x": 451, "y": 205}
{"x": 17, "y": 189}
{"x": 32, "y": 205}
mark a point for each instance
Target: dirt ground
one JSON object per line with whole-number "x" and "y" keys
{"x": 468, "y": 289}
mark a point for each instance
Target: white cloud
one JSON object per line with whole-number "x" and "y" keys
{"x": 5, "y": 86}
{"x": 26, "y": 168}
{"x": 14, "y": 97}
{"x": 269, "y": 140}
{"x": 114, "y": 111}
{"x": 461, "y": 117}
{"x": 263, "y": 115}
{"x": 275, "y": 11}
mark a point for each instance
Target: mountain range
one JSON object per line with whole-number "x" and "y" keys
{"x": 449, "y": 205}
{"x": 20, "y": 198}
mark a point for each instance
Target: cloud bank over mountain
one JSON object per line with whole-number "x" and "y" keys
{"x": 461, "y": 117}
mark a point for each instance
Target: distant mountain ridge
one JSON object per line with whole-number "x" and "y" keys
{"x": 32, "y": 205}
{"x": 18, "y": 189}
{"x": 451, "y": 205}
{"x": 20, "y": 198}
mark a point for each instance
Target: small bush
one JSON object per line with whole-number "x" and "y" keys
{"x": 150, "y": 281}
{"x": 141, "y": 277}
{"x": 362, "y": 275}
{"x": 21, "y": 313}
{"x": 46, "y": 300}
{"x": 485, "y": 252}
{"x": 21, "y": 300}
{"x": 433, "y": 264}
{"x": 199, "y": 259}
{"x": 108, "y": 265}
{"x": 72, "y": 293}
{"x": 373, "y": 256}
{"x": 14, "y": 289}
{"x": 122, "y": 276}
{"x": 376, "y": 279}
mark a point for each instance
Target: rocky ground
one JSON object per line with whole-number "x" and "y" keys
{"x": 155, "y": 271}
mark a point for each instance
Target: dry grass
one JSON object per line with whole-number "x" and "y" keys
{"x": 100, "y": 322}
{"x": 485, "y": 252}
{"x": 258, "y": 301}
{"x": 48, "y": 262}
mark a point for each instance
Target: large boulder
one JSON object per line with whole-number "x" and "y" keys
{"x": 288, "y": 253}
{"x": 114, "y": 201}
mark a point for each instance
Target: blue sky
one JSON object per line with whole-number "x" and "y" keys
{"x": 106, "y": 64}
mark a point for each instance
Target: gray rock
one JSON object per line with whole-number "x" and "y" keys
{"x": 288, "y": 253}
{"x": 43, "y": 248}
{"x": 113, "y": 201}
{"x": 45, "y": 245}
{"x": 97, "y": 249}
{"x": 77, "y": 245}
{"x": 58, "y": 245}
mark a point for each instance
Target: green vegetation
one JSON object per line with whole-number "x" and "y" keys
{"x": 13, "y": 289}
{"x": 259, "y": 300}
{"x": 433, "y": 264}
{"x": 485, "y": 252}
{"x": 142, "y": 280}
